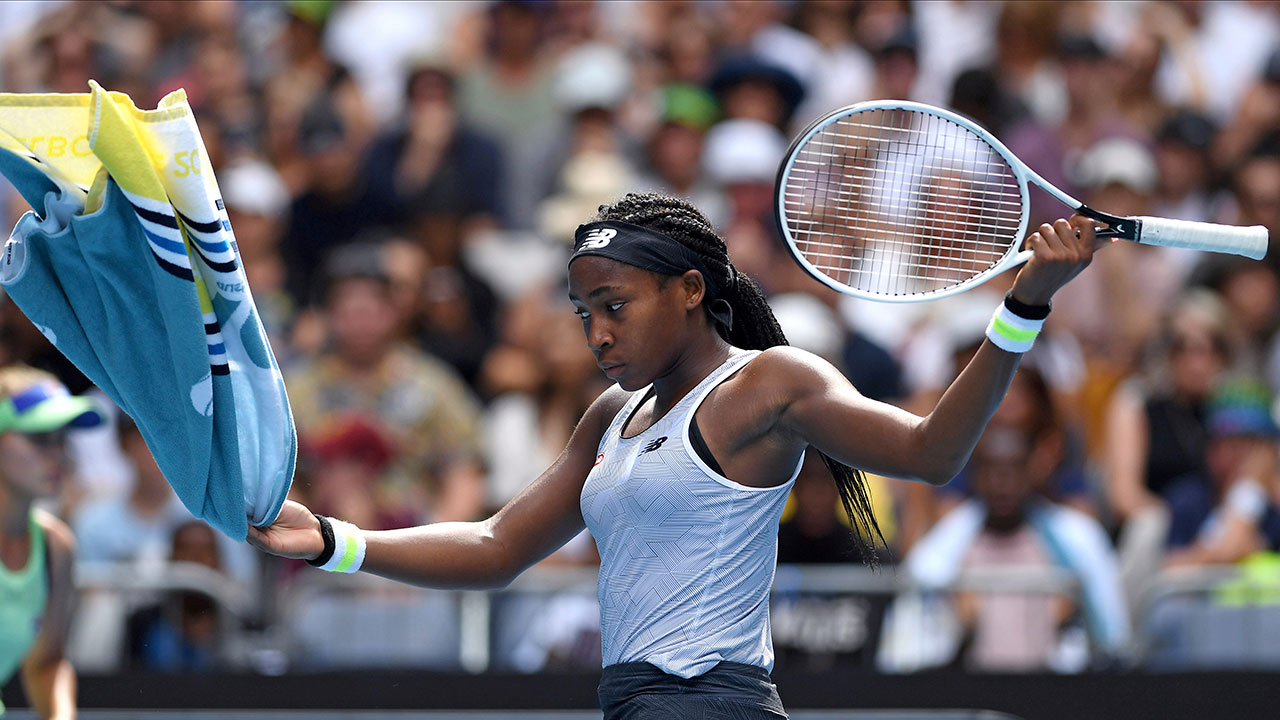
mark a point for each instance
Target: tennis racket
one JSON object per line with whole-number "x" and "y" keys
{"x": 903, "y": 202}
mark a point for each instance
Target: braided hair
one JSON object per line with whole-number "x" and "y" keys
{"x": 754, "y": 326}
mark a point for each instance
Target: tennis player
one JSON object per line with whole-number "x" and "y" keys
{"x": 36, "y": 549}
{"x": 680, "y": 471}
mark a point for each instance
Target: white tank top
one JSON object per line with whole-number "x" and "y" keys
{"x": 687, "y": 556}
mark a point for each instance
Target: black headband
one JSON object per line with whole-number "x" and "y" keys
{"x": 648, "y": 250}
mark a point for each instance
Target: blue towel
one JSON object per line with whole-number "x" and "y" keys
{"x": 128, "y": 265}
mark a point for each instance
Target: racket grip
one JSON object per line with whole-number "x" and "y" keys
{"x": 1250, "y": 242}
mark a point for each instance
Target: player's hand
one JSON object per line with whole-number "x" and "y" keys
{"x": 1062, "y": 250}
{"x": 294, "y": 534}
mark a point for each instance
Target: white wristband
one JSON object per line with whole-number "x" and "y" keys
{"x": 1012, "y": 333}
{"x": 1247, "y": 498}
{"x": 348, "y": 548}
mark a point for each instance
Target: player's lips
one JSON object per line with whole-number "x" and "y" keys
{"x": 612, "y": 370}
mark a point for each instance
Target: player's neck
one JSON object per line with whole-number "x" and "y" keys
{"x": 701, "y": 358}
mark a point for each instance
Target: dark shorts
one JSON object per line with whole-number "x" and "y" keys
{"x": 728, "y": 691}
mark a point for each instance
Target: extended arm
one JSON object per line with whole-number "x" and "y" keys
{"x": 822, "y": 408}
{"x": 47, "y": 675}
{"x": 485, "y": 554}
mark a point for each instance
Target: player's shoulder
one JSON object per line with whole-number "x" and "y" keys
{"x": 599, "y": 415}
{"x": 610, "y": 402}
{"x": 783, "y": 364}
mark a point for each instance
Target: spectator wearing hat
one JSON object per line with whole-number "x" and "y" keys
{"x": 306, "y": 78}
{"x": 751, "y": 88}
{"x": 37, "y": 550}
{"x": 342, "y": 463}
{"x": 335, "y": 208}
{"x": 1091, "y": 80}
{"x": 1184, "y": 168}
{"x": 1235, "y": 513}
{"x": 257, "y": 203}
{"x": 675, "y": 149}
{"x": 427, "y": 410}
{"x": 897, "y": 63}
{"x": 593, "y": 84}
{"x": 1117, "y": 309}
{"x": 183, "y": 632}
{"x": 741, "y": 156}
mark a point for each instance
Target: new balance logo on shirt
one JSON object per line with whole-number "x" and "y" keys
{"x": 654, "y": 445}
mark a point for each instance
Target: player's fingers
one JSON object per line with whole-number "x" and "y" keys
{"x": 1086, "y": 230}
{"x": 1073, "y": 244}
{"x": 1034, "y": 242}
{"x": 1053, "y": 240}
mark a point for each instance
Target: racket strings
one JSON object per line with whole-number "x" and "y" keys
{"x": 897, "y": 201}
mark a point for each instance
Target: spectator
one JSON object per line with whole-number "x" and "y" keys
{"x": 674, "y": 150}
{"x": 1257, "y": 191}
{"x": 454, "y": 311}
{"x": 337, "y": 206}
{"x": 507, "y": 94}
{"x": 257, "y": 204}
{"x": 1059, "y": 473}
{"x": 37, "y": 550}
{"x": 341, "y": 466}
{"x": 542, "y": 380}
{"x": 183, "y": 632}
{"x": 135, "y": 527}
{"x": 1232, "y": 513}
{"x": 812, "y": 530}
{"x": 431, "y": 415}
{"x": 1009, "y": 523}
{"x": 750, "y": 88}
{"x": 897, "y": 65}
{"x": 1133, "y": 283}
{"x": 1154, "y": 431}
{"x": 1155, "y": 428}
{"x": 1185, "y": 186}
{"x": 432, "y": 147}
{"x": 742, "y": 157}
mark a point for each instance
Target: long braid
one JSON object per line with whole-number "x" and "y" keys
{"x": 754, "y": 326}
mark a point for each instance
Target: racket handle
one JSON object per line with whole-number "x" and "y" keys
{"x": 1250, "y": 242}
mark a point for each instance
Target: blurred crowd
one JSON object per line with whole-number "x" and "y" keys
{"x": 404, "y": 179}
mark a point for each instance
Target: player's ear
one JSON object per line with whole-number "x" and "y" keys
{"x": 694, "y": 286}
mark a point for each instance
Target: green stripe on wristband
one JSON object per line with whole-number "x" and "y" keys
{"x": 1013, "y": 333}
{"x": 348, "y": 554}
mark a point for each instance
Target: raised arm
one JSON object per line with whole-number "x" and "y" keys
{"x": 485, "y": 554}
{"x": 821, "y": 407}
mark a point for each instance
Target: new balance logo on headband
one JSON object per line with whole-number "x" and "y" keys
{"x": 597, "y": 239}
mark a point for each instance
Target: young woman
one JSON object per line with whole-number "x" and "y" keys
{"x": 680, "y": 471}
{"x": 36, "y": 549}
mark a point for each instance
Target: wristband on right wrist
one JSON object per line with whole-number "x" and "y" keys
{"x": 344, "y": 546}
{"x": 1013, "y": 332}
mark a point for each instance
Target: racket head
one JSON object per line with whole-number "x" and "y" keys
{"x": 901, "y": 202}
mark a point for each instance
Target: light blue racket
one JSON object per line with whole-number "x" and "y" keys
{"x": 902, "y": 202}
